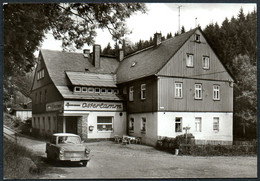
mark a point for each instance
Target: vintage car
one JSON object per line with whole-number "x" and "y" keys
{"x": 67, "y": 147}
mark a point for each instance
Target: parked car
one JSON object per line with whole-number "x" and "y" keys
{"x": 67, "y": 147}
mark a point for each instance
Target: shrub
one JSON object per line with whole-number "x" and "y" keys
{"x": 14, "y": 165}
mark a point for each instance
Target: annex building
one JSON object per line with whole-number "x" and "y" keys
{"x": 152, "y": 93}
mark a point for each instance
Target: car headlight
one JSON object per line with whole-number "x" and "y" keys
{"x": 61, "y": 151}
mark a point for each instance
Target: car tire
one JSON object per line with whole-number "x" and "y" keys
{"x": 84, "y": 163}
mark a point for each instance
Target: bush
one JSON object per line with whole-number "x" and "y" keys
{"x": 14, "y": 165}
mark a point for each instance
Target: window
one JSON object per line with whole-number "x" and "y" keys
{"x": 103, "y": 90}
{"x": 77, "y": 89}
{"x": 216, "y": 124}
{"x": 49, "y": 122}
{"x": 143, "y": 91}
{"x": 178, "y": 124}
{"x": 216, "y": 94}
{"x": 105, "y": 123}
{"x": 125, "y": 90}
{"x": 131, "y": 93}
{"x": 97, "y": 90}
{"x": 198, "y": 91}
{"x": 90, "y": 89}
{"x": 84, "y": 89}
{"x": 109, "y": 91}
{"x": 41, "y": 97}
{"x": 43, "y": 122}
{"x": 178, "y": 90}
{"x": 131, "y": 124}
{"x": 39, "y": 124}
{"x": 40, "y": 74}
{"x": 198, "y": 124}
{"x": 36, "y": 100}
{"x": 45, "y": 95}
{"x": 143, "y": 126}
{"x": 197, "y": 38}
{"x": 116, "y": 91}
{"x": 205, "y": 62}
{"x": 54, "y": 123}
{"x": 34, "y": 122}
{"x": 189, "y": 60}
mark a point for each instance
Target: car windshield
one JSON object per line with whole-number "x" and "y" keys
{"x": 69, "y": 139}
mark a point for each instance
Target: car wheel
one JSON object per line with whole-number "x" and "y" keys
{"x": 84, "y": 163}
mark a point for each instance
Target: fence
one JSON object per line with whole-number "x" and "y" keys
{"x": 10, "y": 134}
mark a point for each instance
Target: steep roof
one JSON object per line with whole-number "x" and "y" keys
{"x": 91, "y": 79}
{"x": 58, "y": 62}
{"x": 149, "y": 61}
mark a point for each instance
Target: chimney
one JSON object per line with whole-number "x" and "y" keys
{"x": 96, "y": 55}
{"x": 157, "y": 39}
{"x": 86, "y": 53}
{"x": 120, "y": 55}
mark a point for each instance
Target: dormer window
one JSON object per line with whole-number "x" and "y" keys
{"x": 197, "y": 38}
{"x": 103, "y": 90}
{"x": 84, "y": 89}
{"x": 77, "y": 89}
{"x": 109, "y": 91}
{"x": 91, "y": 90}
{"x": 97, "y": 90}
{"x": 205, "y": 62}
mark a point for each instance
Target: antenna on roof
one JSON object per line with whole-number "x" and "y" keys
{"x": 196, "y": 25}
{"x": 179, "y": 18}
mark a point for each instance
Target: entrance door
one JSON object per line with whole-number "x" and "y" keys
{"x": 71, "y": 124}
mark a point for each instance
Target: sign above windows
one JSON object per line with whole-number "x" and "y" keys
{"x": 92, "y": 106}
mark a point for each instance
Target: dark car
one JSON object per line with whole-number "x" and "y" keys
{"x": 67, "y": 147}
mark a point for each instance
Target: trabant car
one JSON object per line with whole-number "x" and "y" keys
{"x": 67, "y": 147}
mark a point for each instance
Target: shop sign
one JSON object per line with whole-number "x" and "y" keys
{"x": 99, "y": 106}
{"x": 54, "y": 106}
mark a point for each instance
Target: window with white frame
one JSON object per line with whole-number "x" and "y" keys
{"x": 216, "y": 92}
{"x": 84, "y": 89}
{"x": 197, "y": 37}
{"x": 178, "y": 90}
{"x": 131, "y": 93}
{"x": 97, "y": 90}
{"x": 103, "y": 90}
{"x": 143, "y": 125}
{"x": 40, "y": 74}
{"x": 198, "y": 91}
{"x": 77, "y": 89}
{"x": 205, "y": 62}
{"x": 189, "y": 60}
{"x": 216, "y": 124}
{"x": 178, "y": 124}
{"x": 143, "y": 91}
{"x": 198, "y": 124}
{"x": 91, "y": 90}
{"x": 131, "y": 124}
{"x": 105, "y": 123}
{"x": 109, "y": 91}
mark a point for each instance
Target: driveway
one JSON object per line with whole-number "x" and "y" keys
{"x": 111, "y": 160}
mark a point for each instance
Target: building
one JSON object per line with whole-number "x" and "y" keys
{"x": 151, "y": 93}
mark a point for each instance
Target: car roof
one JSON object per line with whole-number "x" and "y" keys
{"x": 64, "y": 134}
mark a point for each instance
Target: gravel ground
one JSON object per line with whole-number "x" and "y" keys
{"x": 111, "y": 160}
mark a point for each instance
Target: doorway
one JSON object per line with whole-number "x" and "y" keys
{"x": 71, "y": 124}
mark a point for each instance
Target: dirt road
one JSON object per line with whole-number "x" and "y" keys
{"x": 111, "y": 160}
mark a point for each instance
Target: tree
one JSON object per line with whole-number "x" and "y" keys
{"x": 75, "y": 24}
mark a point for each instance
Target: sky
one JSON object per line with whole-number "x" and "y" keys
{"x": 164, "y": 18}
